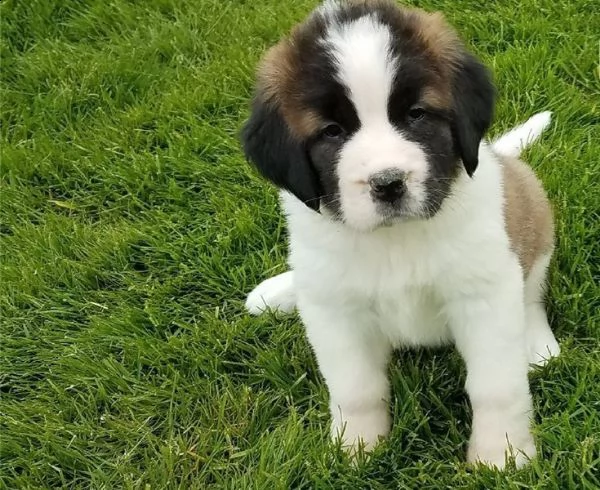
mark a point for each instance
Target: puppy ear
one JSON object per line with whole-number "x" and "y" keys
{"x": 278, "y": 155}
{"x": 474, "y": 97}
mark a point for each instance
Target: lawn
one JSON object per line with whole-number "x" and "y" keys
{"x": 131, "y": 229}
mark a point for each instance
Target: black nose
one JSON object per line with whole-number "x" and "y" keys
{"x": 388, "y": 185}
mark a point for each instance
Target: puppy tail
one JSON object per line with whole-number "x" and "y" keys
{"x": 511, "y": 144}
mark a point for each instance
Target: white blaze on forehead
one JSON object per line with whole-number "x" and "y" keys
{"x": 365, "y": 64}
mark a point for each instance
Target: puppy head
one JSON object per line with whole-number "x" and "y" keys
{"x": 369, "y": 112}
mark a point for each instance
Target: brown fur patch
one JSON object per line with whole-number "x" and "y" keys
{"x": 444, "y": 49}
{"x": 437, "y": 97}
{"x": 440, "y": 39}
{"x": 527, "y": 213}
{"x": 276, "y": 75}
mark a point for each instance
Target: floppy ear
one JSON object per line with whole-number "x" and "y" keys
{"x": 278, "y": 155}
{"x": 474, "y": 96}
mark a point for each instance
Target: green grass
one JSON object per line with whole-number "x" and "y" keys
{"x": 131, "y": 229}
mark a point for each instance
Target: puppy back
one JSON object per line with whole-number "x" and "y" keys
{"x": 527, "y": 212}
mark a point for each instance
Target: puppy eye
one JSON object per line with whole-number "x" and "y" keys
{"x": 416, "y": 114}
{"x": 333, "y": 131}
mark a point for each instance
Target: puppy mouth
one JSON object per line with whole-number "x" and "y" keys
{"x": 406, "y": 207}
{"x": 386, "y": 216}
{"x": 394, "y": 215}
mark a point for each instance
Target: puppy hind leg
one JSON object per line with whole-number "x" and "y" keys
{"x": 541, "y": 343}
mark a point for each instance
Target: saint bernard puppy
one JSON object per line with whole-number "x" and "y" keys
{"x": 406, "y": 228}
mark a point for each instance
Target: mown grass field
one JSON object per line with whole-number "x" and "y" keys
{"x": 131, "y": 229}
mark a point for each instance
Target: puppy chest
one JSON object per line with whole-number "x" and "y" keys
{"x": 412, "y": 317}
{"x": 406, "y": 312}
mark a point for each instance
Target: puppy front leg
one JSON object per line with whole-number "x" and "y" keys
{"x": 352, "y": 357}
{"x": 489, "y": 330}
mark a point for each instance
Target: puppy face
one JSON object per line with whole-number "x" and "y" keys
{"x": 369, "y": 113}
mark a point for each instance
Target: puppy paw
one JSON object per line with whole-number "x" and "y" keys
{"x": 362, "y": 431}
{"x": 496, "y": 450}
{"x": 276, "y": 293}
{"x": 542, "y": 346}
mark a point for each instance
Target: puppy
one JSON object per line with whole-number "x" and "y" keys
{"x": 406, "y": 229}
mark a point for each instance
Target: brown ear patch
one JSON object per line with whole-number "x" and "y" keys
{"x": 527, "y": 213}
{"x": 278, "y": 71}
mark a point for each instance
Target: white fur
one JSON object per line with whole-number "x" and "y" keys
{"x": 512, "y": 143}
{"x": 362, "y": 52}
{"x": 446, "y": 279}
{"x": 365, "y": 66}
